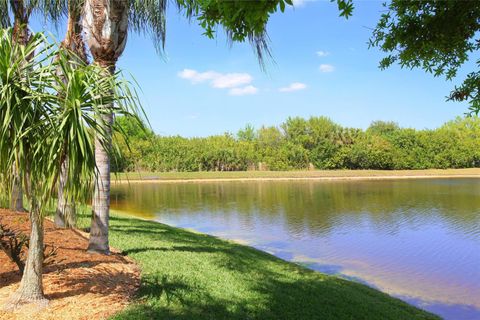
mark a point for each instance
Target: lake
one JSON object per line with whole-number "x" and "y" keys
{"x": 418, "y": 240}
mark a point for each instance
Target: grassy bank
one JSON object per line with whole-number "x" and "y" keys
{"x": 314, "y": 174}
{"x": 187, "y": 275}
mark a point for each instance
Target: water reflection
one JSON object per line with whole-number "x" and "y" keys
{"x": 416, "y": 239}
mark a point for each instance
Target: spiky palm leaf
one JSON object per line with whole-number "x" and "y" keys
{"x": 46, "y": 120}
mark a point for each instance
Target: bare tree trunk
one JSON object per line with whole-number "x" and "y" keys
{"x": 16, "y": 198}
{"x": 98, "y": 242}
{"x": 66, "y": 214}
{"x": 106, "y": 27}
{"x": 31, "y": 286}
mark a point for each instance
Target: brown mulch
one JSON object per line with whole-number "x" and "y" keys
{"x": 79, "y": 285}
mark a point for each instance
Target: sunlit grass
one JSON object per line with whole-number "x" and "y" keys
{"x": 188, "y": 275}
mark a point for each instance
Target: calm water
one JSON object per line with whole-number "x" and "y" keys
{"x": 415, "y": 239}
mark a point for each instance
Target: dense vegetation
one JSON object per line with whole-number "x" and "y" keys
{"x": 300, "y": 143}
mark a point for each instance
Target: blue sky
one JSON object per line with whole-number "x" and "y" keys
{"x": 322, "y": 66}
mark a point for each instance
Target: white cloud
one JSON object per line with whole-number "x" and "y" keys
{"x": 231, "y": 80}
{"x": 296, "y": 86}
{"x": 238, "y": 83}
{"x": 322, "y": 53}
{"x": 248, "y": 90}
{"x": 197, "y": 77}
{"x": 326, "y": 68}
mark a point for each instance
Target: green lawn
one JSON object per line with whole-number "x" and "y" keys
{"x": 290, "y": 174}
{"x": 186, "y": 275}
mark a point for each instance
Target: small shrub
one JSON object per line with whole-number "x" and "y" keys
{"x": 12, "y": 243}
{"x": 15, "y": 245}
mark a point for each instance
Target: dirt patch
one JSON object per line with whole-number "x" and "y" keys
{"x": 79, "y": 285}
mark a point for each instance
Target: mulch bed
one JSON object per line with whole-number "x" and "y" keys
{"x": 79, "y": 285}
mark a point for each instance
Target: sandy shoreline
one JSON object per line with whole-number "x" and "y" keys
{"x": 319, "y": 178}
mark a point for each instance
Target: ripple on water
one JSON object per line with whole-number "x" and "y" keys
{"x": 415, "y": 239}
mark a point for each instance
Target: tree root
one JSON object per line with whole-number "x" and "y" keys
{"x": 19, "y": 300}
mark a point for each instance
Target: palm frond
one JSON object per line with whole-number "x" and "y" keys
{"x": 149, "y": 17}
{"x": 53, "y": 11}
{"x": 48, "y": 110}
{"x": 4, "y": 17}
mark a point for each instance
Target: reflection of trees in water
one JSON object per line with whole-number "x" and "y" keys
{"x": 314, "y": 206}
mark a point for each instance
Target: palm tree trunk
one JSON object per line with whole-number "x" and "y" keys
{"x": 106, "y": 27}
{"x": 31, "y": 286}
{"x": 66, "y": 214}
{"x": 98, "y": 242}
{"x": 16, "y": 198}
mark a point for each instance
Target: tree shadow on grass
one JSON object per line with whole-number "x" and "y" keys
{"x": 170, "y": 297}
{"x": 198, "y": 249}
{"x": 196, "y": 276}
{"x": 325, "y": 300}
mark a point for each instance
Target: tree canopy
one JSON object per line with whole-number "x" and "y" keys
{"x": 437, "y": 36}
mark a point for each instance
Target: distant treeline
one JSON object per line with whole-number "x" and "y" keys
{"x": 301, "y": 143}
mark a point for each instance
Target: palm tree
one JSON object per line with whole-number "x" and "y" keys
{"x": 21, "y": 11}
{"x": 65, "y": 214}
{"x": 106, "y": 25}
{"x": 20, "y": 35}
{"x": 49, "y": 119}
